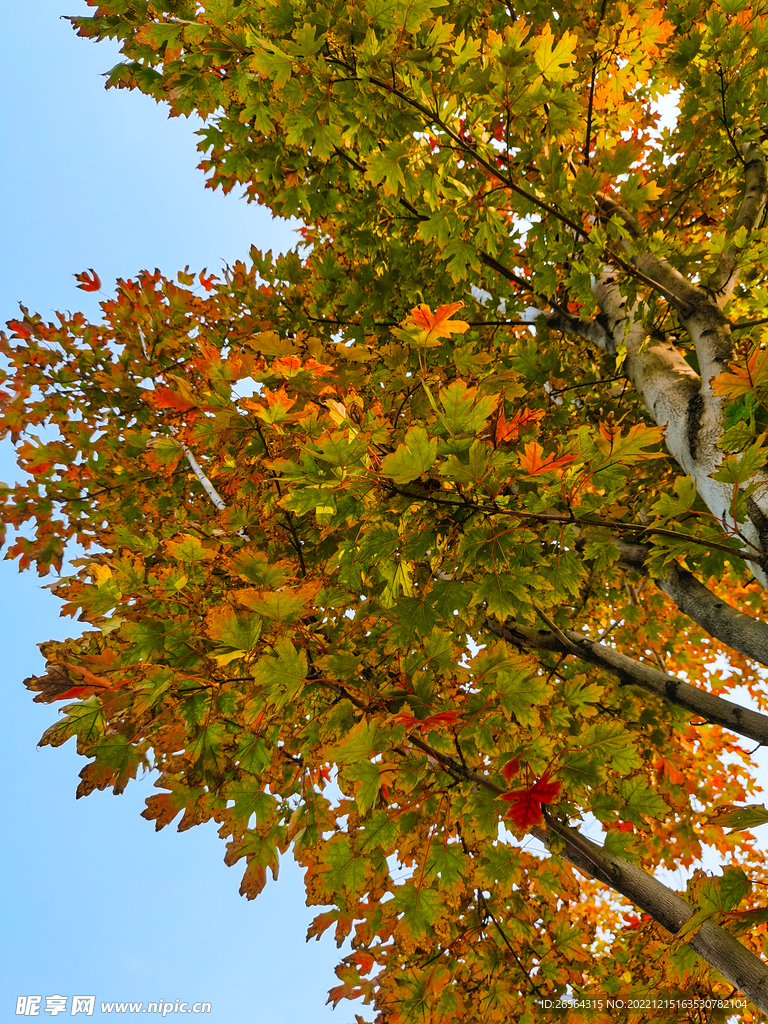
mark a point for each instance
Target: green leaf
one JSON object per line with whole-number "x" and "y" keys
{"x": 553, "y": 57}
{"x": 741, "y": 818}
{"x": 420, "y": 907}
{"x": 368, "y": 776}
{"x": 465, "y": 412}
{"x": 239, "y": 631}
{"x": 281, "y": 676}
{"x": 411, "y": 459}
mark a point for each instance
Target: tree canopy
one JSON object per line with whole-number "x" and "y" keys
{"x": 428, "y": 550}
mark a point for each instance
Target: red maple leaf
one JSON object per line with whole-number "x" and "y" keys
{"x": 19, "y": 330}
{"x": 442, "y": 719}
{"x": 89, "y": 280}
{"x": 525, "y": 804}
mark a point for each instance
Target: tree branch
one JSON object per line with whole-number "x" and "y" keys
{"x": 686, "y": 295}
{"x": 715, "y": 710}
{"x": 590, "y": 330}
{"x": 205, "y": 483}
{"x": 543, "y": 517}
{"x": 734, "y": 628}
{"x": 725, "y": 277}
{"x": 746, "y": 971}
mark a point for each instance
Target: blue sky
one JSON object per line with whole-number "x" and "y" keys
{"x": 96, "y": 903}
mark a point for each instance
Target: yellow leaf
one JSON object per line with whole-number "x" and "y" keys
{"x": 550, "y": 57}
{"x": 222, "y": 660}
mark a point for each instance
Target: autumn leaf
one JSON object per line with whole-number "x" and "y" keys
{"x": 58, "y": 684}
{"x": 441, "y": 720}
{"x": 19, "y": 330}
{"x": 632, "y": 445}
{"x": 525, "y": 803}
{"x": 412, "y": 458}
{"x": 431, "y": 327}
{"x": 552, "y": 58}
{"x": 739, "y": 818}
{"x": 279, "y": 405}
{"x": 165, "y": 398}
{"x": 534, "y": 464}
{"x": 743, "y": 379}
{"x": 89, "y": 280}
{"x": 510, "y": 430}
{"x": 511, "y": 769}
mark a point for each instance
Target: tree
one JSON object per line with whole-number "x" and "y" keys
{"x": 479, "y": 553}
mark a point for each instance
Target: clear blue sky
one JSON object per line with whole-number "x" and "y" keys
{"x": 94, "y": 902}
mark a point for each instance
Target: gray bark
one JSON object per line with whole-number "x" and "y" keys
{"x": 717, "y": 710}
{"x": 734, "y": 628}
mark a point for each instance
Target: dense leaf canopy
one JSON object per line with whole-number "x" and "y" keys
{"x": 427, "y": 551}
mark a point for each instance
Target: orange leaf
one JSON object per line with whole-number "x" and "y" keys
{"x": 164, "y": 398}
{"x": 533, "y": 463}
{"x": 206, "y": 282}
{"x": 279, "y": 404}
{"x": 89, "y": 280}
{"x": 511, "y": 431}
{"x": 287, "y": 366}
{"x": 439, "y": 324}
{"x": 743, "y": 379}
{"x": 19, "y": 330}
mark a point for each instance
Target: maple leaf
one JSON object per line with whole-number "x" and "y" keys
{"x": 552, "y": 58}
{"x": 441, "y": 720}
{"x": 510, "y": 430}
{"x": 412, "y": 458}
{"x": 165, "y": 398}
{"x": 533, "y": 463}
{"x": 433, "y": 326}
{"x": 279, "y": 404}
{"x": 739, "y": 818}
{"x": 89, "y": 280}
{"x": 630, "y": 447}
{"x": 743, "y": 380}
{"x": 287, "y": 366}
{"x": 19, "y": 330}
{"x": 207, "y": 282}
{"x": 525, "y": 804}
